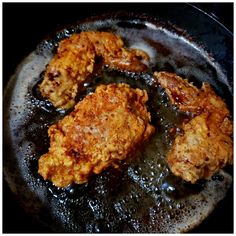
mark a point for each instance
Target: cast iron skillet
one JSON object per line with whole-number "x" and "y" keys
{"x": 215, "y": 38}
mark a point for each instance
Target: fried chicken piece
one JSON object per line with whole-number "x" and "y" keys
{"x": 203, "y": 148}
{"x": 205, "y": 145}
{"x": 104, "y": 128}
{"x": 188, "y": 97}
{"x": 75, "y": 60}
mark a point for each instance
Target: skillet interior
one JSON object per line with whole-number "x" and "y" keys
{"x": 28, "y": 75}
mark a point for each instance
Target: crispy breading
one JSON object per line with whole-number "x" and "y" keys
{"x": 202, "y": 149}
{"x": 205, "y": 144}
{"x": 75, "y": 60}
{"x": 104, "y": 128}
{"x": 188, "y": 97}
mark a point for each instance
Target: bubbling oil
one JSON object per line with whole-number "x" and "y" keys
{"x": 142, "y": 195}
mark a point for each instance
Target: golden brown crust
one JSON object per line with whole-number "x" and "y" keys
{"x": 104, "y": 129}
{"x": 188, "y": 97}
{"x": 75, "y": 61}
{"x": 201, "y": 150}
{"x": 205, "y": 144}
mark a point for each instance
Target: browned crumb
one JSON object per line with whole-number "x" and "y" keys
{"x": 104, "y": 128}
{"x": 205, "y": 144}
{"x": 75, "y": 60}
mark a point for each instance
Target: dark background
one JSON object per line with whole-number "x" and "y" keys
{"x": 37, "y": 20}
